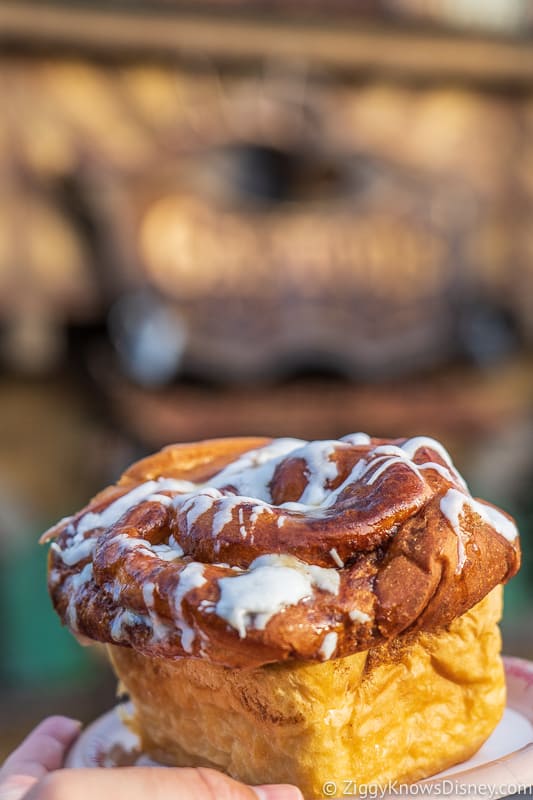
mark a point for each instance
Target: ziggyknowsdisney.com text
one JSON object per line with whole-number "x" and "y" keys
{"x": 444, "y": 788}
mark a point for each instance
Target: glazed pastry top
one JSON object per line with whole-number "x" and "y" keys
{"x": 247, "y": 551}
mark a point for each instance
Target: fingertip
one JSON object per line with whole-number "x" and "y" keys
{"x": 60, "y": 719}
{"x": 64, "y": 729}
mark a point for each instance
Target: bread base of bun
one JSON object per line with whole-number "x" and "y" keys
{"x": 401, "y": 711}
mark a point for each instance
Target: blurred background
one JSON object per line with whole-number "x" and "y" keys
{"x": 272, "y": 217}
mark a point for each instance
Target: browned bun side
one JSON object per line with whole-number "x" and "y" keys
{"x": 401, "y": 711}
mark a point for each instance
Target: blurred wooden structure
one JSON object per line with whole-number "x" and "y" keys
{"x": 345, "y": 191}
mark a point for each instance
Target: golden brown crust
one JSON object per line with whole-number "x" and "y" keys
{"x": 310, "y": 723}
{"x": 395, "y": 540}
{"x": 193, "y": 462}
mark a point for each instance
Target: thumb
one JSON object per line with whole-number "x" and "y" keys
{"x": 209, "y": 784}
{"x": 155, "y": 783}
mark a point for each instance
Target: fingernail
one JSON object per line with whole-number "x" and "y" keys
{"x": 64, "y": 723}
{"x": 74, "y": 723}
{"x": 61, "y": 719}
{"x": 278, "y": 792}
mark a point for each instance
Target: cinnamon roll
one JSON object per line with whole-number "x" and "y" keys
{"x": 268, "y": 602}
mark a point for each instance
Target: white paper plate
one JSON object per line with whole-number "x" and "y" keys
{"x": 501, "y": 767}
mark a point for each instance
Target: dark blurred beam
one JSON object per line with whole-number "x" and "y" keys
{"x": 349, "y": 46}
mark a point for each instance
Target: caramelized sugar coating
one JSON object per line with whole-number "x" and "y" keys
{"x": 245, "y": 551}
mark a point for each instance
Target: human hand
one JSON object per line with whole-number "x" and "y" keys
{"x": 34, "y": 772}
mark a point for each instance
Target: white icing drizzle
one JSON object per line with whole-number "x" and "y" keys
{"x": 328, "y": 646}
{"x": 388, "y": 463}
{"x": 191, "y": 577}
{"x": 386, "y": 455}
{"x": 163, "y": 499}
{"x": 358, "y": 616}
{"x": 252, "y": 473}
{"x": 272, "y": 583}
{"x": 116, "y": 630}
{"x": 356, "y": 439}
{"x": 78, "y": 550}
{"x": 412, "y": 445}
{"x": 407, "y": 452}
{"x": 323, "y": 578}
{"x": 160, "y": 629}
{"x": 205, "y": 644}
{"x": 359, "y": 469}
{"x": 501, "y": 524}
{"x": 167, "y": 552}
{"x": 319, "y": 470}
{"x": 128, "y": 544}
{"x": 224, "y": 514}
{"x": 452, "y": 506}
{"x": 443, "y": 471}
{"x": 148, "y": 593}
{"x": 197, "y": 504}
{"x": 111, "y": 515}
{"x": 336, "y": 557}
{"x": 257, "y": 510}
{"x": 73, "y": 584}
{"x": 54, "y": 577}
{"x": 242, "y": 526}
{"x": 289, "y": 505}
{"x": 123, "y": 618}
{"x": 389, "y": 450}
{"x": 241, "y": 493}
